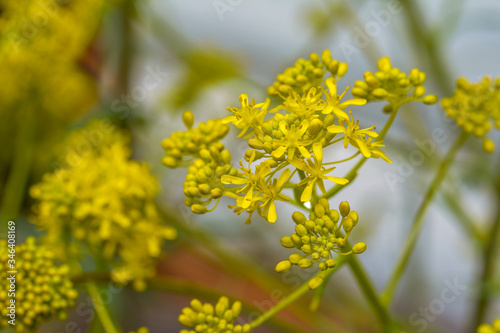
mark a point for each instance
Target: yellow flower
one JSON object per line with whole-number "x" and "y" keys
{"x": 333, "y": 100}
{"x": 271, "y": 193}
{"x": 354, "y": 135}
{"x": 293, "y": 140}
{"x": 249, "y": 179}
{"x": 315, "y": 173}
{"x": 376, "y": 151}
{"x": 250, "y": 116}
{"x": 304, "y": 105}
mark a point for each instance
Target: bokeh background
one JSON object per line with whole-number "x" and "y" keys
{"x": 65, "y": 63}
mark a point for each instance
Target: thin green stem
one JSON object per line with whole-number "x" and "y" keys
{"x": 299, "y": 292}
{"x": 15, "y": 188}
{"x": 368, "y": 290}
{"x": 318, "y": 293}
{"x": 463, "y": 217}
{"x": 101, "y": 309}
{"x": 418, "y": 221}
{"x": 186, "y": 288}
{"x": 488, "y": 270}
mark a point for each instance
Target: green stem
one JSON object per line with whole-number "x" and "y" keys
{"x": 488, "y": 270}
{"x": 186, "y": 288}
{"x": 418, "y": 221}
{"x": 15, "y": 188}
{"x": 369, "y": 291}
{"x": 354, "y": 171}
{"x": 101, "y": 309}
{"x": 238, "y": 264}
{"x": 318, "y": 293}
{"x": 463, "y": 217}
{"x": 303, "y": 289}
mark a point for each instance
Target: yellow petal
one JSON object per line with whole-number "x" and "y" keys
{"x": 307, "y": 193}
{"x": 318, "y": 152}
{"x": 338, "y": 180}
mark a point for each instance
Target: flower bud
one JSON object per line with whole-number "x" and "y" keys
{"x": 344, "y": 208}
{"x": 430, "y": 99}
{"x": 216, "y": 193}
{"x": 299, "y": 218}
{"x": 305, "y": 263}
{"x": 488, "y": 145}
{"x": 198, "y": 209}
{"x": 188, "y": 119}
{"x": 359, "y": 248}
{"x": 287, "y": 242}
{"x": 315, "y": 282}
{"x": 419, "y": 91}
{"x": 283, "y": 266}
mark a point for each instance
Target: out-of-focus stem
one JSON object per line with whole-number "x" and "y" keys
{"x": 102, "y": 310}
{"x": 15, "y": 188}
{"x": 488, "y": 270}
{"x": 418, "y": 221}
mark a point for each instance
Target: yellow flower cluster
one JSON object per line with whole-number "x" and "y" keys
{"x": 206, "y": 318}
{"x": 105, "y": 201}
{"x": 43, "y": 289}
{"x": 392, "y": 85}
{"x": 306, "y": 74}
{"x": 476, "y": 107}
{"x": 207, "y": 159}
{"x": 289, "y": 144}
{"x": 46, "y": 57}
{"x": 41, "y": 52}
{"x": 320, "y": 236}
{"x": 493, "y": 328}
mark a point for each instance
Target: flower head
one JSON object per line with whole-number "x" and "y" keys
{"x": 42, "y": 287}
{"x": 392, "y": 85}
{"x": 475, "y": 108}
{"x": 320, "y": 236}
{"x": 206, "y": 318}
{"x": 105, "y": 203}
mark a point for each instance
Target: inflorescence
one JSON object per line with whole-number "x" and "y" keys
{"x": 319, "y": 237}
{"x": 104, "y": 204}
{"x": 43, "y": 289}
{"x": 474, "y": 106}
{"x": 283, "y": 147}
{"x": 391, "y": 85}
{"x": 206, "y": 318}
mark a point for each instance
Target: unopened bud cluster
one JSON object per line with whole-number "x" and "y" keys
{"x": 476, "y": 108}
{"x": 320, "y": 236}
{"x": 392, "y": 85}
{"x": 306, "y": 74}
{"x": 190, "y": 143}
{"x": 206, "y": 318}
{"x": 211, "y": 161}
{"x": 43, "y": 289}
